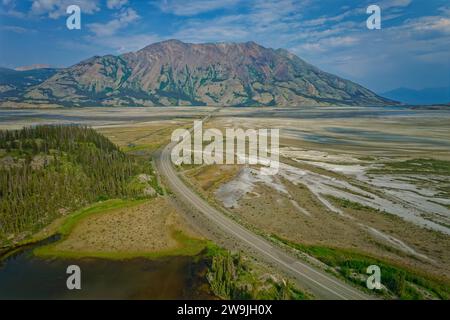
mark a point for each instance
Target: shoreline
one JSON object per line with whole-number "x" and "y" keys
{"x": 62, "y": 228}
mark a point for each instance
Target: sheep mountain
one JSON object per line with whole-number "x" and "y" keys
{"x": 172, "y": 73}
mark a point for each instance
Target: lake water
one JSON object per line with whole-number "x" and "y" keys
{"x": 25, "y": 276}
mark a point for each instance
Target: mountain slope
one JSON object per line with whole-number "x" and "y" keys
{"x": 177, "y": 73}
{"x": 14, "y": 83}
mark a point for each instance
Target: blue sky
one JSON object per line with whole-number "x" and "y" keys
{"x": 412, "y": 49}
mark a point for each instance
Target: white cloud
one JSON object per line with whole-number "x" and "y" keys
{"x": 122, "y": 20}
{"x": 445, "y": 11}
{"x": 9, "y": 9}
{"x": 222, "y": 29}
{"x": 326, "y": 19}
{"x": 57, "y": 8}
{"x": 439, "y": 23}
{"x": 388, "y": 4}
{"x": 116, "y": 4}
{"x": 14, "y": 29}
{"x": 123, "y": 44}
{"x": 417, "y": 46}
{"x": 269, "y": 22}
{"x": 430, "y": 23}
{"x": 193, "y": 7}
{"x": 327, "y": 44}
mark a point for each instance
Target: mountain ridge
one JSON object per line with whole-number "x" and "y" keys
{"x": 33, "y": 67}
{"x": 14, "y": 83}
{"x": 173, "y": 72}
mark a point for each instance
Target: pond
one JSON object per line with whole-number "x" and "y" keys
{"x": 26, "y": 276}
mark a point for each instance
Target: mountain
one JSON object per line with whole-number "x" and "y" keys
{"x": 176, "y": 73}
{"x": 33, "y": 67}
{"x": 13, "y": 83}
{"x": 424, "y": 96}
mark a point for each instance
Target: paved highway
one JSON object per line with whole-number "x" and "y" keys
{"x": 321, "y": 284}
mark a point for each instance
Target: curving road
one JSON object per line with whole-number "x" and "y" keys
{"x": 320, "y": 284}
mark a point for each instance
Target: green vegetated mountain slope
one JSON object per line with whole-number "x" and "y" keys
{"x": 176, "y": 73}
{"x": 48, "y": 171}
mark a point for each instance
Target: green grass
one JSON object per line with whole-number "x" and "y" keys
{"x": 418, "y": 166}
{"x": 344, "y": 203}
{"x": 140, "y": 147}
{"x": 400, "y": 281}
{"x": 187, "y": 246}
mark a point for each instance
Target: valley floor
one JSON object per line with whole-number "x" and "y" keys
{"x": 354, "y": 189}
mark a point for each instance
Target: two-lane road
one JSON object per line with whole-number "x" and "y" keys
{"x": 320, "y": 284}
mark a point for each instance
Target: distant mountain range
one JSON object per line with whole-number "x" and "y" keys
{"x": 14, "y": 84}
{"x": 420, "y": 97}
{"x": 176, "y": 73}
{"x": 33, "y": 67}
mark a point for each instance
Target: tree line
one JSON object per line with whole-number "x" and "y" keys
{"x": 47, "y": 171}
